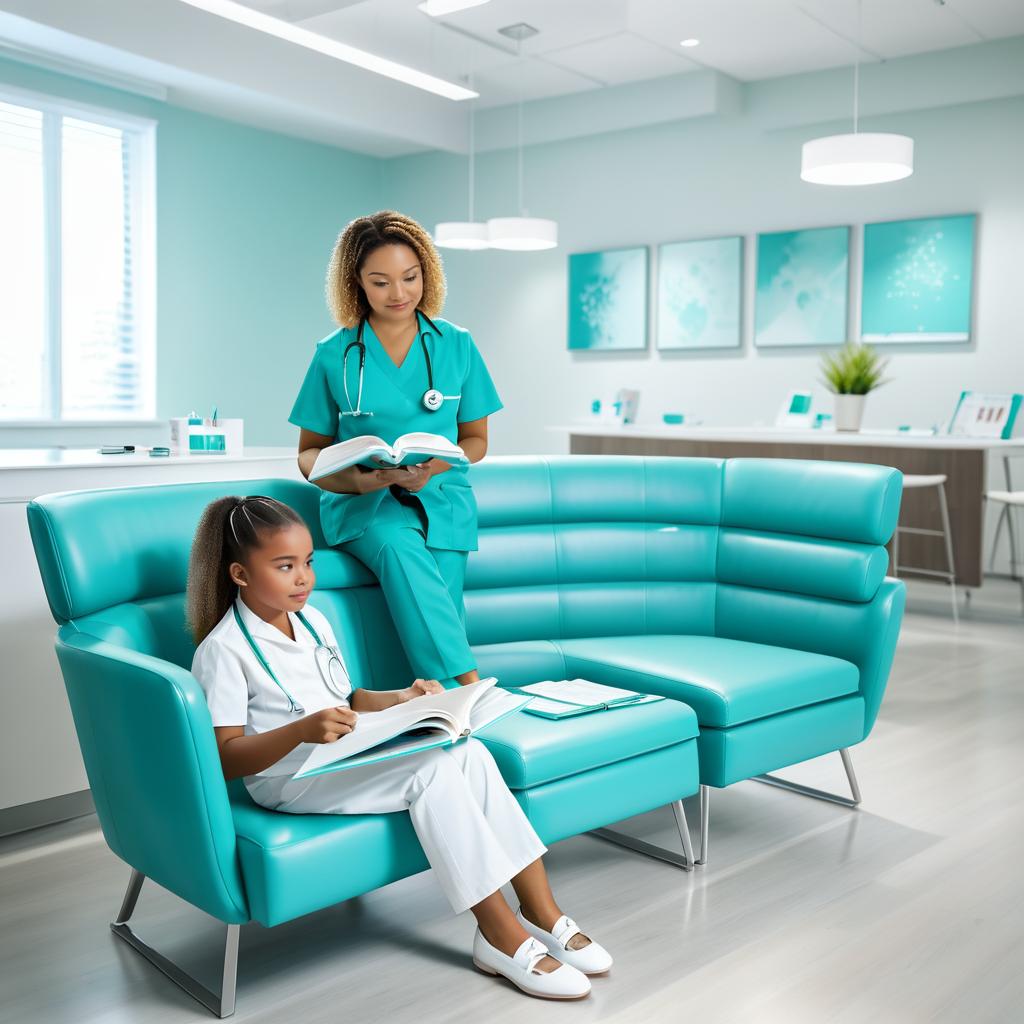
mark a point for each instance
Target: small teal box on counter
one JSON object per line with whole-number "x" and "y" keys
{"x": 194, "y": 435}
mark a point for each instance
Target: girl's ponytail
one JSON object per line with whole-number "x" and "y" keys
{"x": 229, "y": 528}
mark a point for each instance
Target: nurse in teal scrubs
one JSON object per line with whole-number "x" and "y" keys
{"x": 411, "y": 527}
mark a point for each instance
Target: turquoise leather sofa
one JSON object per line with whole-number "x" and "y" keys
{"x": 752, "y": 592}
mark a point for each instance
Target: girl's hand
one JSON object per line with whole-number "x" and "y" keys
{"x": 326, "y": 726}
{"x": 420, "y": 688}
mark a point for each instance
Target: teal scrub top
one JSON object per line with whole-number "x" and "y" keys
{"x": 393, "y": 394}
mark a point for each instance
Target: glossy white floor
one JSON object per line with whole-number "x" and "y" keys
{"x": 907, "y": 910}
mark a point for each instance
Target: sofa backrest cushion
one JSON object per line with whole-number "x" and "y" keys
{"x": 579, "y": 546}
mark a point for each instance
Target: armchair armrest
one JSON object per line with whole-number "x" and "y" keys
{"x": 151, "y": 757}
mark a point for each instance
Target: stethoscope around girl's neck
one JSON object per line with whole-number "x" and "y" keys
{"x": 432, "y": 399}
{"x": 328, "y": 661}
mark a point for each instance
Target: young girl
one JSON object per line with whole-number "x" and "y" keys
{"x": 272, "y": 694}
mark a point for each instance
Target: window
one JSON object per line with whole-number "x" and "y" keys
{"x": 77, "y": 262}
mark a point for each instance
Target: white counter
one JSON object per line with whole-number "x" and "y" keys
{"x": 777, "y": 435}
{"x": 37, "y": 716}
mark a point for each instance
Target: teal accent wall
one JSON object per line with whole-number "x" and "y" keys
{"x": 246, "y": 220}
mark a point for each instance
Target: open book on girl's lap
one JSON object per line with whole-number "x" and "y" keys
{"x": 375, "y": 452}
{"x": 433, "y": 720}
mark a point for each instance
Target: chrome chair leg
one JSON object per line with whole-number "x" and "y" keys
{"x": 222, "y": 1005}
{"x": 1011, "y": 532}
{"x": 819, "y": 794}
{"x": 995, "y": 539}
{"x": 684, "y": 860}
{"x": 705, "y": 815}
{"x": 947, "y": 535}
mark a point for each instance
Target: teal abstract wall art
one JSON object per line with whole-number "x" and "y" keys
{"x": 699, "y": 293}
{"x": 608, "y": 299}
{"x": 917, "y": 279}
{"x": 801, "y": 287}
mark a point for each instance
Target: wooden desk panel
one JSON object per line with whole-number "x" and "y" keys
{"x": 964, "y": 468}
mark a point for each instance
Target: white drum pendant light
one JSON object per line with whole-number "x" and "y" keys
{"x": 522, "y": 233}
{"x": 859, "y": 158}
{"x": 461, "y": 234}
{"x": 863, "y": 158}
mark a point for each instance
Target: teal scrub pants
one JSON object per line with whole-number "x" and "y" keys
{"x": 422, "y": 587}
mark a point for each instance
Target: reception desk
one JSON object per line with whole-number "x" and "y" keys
{"x": 964, "y": 460}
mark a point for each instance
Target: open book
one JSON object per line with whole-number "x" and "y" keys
{"x": 369, "y": 450}
{"x": 434, "y": 720}
{"x": 568, "y": 697}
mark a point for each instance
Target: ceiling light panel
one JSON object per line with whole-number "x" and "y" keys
{"x": 300, "y": 36}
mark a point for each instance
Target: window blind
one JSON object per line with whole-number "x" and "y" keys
{"x": 74, "y": 333}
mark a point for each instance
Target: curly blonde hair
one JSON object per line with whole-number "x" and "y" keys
{"x": 345, "y": 296}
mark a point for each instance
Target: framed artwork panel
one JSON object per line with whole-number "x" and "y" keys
{"x": 802, "y": 281}
{"x": 608, "y": 299}
{"x": 699, "y": 286}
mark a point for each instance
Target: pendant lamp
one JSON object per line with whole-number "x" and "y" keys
{"x": 522, "y": 233}
{"x": 858, "y": 158}
{"x": 464, "y": 234}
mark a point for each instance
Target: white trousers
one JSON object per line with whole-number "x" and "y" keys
{"x": 473, "y": 832}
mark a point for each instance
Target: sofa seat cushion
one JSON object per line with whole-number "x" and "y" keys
{"x": 725, "y": 681}
{"x": 532, "y": 751}
{"x": 294, "y": 864}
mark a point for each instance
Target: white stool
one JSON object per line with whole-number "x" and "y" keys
{"x": 1010, "y": 500}
{"x": 938, "y": 481}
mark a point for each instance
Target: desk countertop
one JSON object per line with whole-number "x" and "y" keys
{"x": 777, "y": 435}
{"x": 88, "y": 458}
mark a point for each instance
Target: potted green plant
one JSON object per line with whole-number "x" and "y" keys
{"x": 850, "y": 374}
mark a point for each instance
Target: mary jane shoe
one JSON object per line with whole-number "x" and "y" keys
{"x": 564, "y": 982}
{"x": 591, "y": 959}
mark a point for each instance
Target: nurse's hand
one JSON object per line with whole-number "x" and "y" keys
{"x": 416, "y": 477}
{"x": 326, "y": 726}
{"x": 420, "y": 689}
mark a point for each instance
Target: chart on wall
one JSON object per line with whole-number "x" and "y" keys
{"x": 608, "y": 299}
{"x": 699, "y": 293}
{"x": 917, "y": 279}
{"x": 801, "y": 287}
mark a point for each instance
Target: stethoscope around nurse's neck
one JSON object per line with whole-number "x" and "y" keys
{"x": 332, "y": 673}
{"x": 432, "y": 399}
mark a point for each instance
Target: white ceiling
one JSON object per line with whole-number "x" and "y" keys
{"x": 582, "y": 46}
{"x": 587, "y": 44}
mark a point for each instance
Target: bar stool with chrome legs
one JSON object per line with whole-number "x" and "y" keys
{"x": 1011, "y": 501}
{"x": 938, "y": 481}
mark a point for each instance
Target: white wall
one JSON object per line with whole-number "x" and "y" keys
{"x": 715, "y": 176}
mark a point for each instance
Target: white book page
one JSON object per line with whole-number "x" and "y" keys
{"x": 577, "y": 691}
{"x": 492, "y": 705}
{"x": 448, "y": 711}
{"x": 348, "y": 453}
{"x": 418, "y": 440}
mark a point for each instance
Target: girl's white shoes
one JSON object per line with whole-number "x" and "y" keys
{"x": 564, "y": 982}
{"x": 591, "y": 959}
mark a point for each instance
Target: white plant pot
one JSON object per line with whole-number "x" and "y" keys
{"x": 849, "y": 411}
